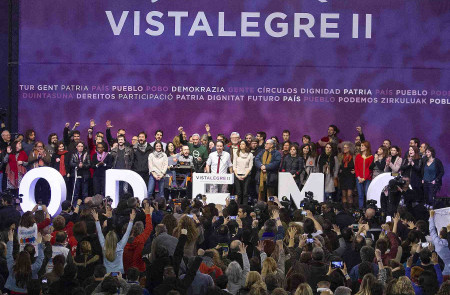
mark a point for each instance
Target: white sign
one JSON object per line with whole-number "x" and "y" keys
{"x": 57, "y": 188}
{"x": 287, "y": 187}
{"x": 200, "y": 180}
{"x": 114, "y": 176}
{"x": 377, "y": 185}
{"x": 441, "y": 218}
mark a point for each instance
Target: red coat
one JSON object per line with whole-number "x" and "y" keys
{"x": 132, "y": 254}
{"x": 362, "y": 167}
{"x": 72, "y": 242}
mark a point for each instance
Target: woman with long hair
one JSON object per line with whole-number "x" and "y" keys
{"x": 379, "y": 161}
{"x": 242, "y": 166}
{"x": 16, "y": 160}
{"x": 190, "y": 249}
{"x": 293, "y": 163}
{"x": 285, "y": 149}
{"x": 39, "y": 157}
{"x": 111, "y": 246}
{"x": 362, "y": 171}
{"x": 432, "y": 172}
{"x": 328, "y": 164}
{"x": 367, "y": 282}
{"x": 86, "y": 261}
{"x": 253, "y": 283}
{"x": 157, "y": 167}
{"x": 172, "y": 161}
{"x": 394, "y": 161}
{"x": 22, "y": 270}
{"x": 411, "y": 167}
{"x": 347, "y": 174}
{"x": 309, "y": 163}
{"x": 304, "y": 289}
{"x": 236, "y": 274}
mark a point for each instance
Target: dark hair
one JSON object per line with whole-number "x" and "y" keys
{"x": 432, "y": 151}
{"x": 287, "y": 131}
{"x": 58, "y": 264}
{"x": 120, "y": 136}
{"x": 247, "y": 148}
{"x": 142, "y": 132}
{"x": 324, "y": 158}
{"x": 160, "y": 143}
{"x": 271, "y": 282}
{"x": 133, "y": 274}
{"x": 14, "y": 147}
{"x": 61, "y": 237}
{"x": 385, "y": 151}
{"x": 416, "y": 141}
{"x": 28, "y": 133}
{"x": 382, "y": 245}
{"x": 262, "y": 134}
{"x": 76, "y": 132}
{"x": 22, "y": 269}
{"x": 100, "y": 143}
{"x": 335, "y": 128}
{"x": 425, "y": 256}
{"x": 27, "y": 219}
{"x": 347, "y": 234}
{"x": 399, "y": 151}
{"x": 390, "y": 143}
{"x": 308, "y": 226}
{"x": 135, "y": 290}
{"x": 159, "y": 130}
{"x": 276, "y": 139}
{"x": 49, "y": 139}
{"x": 99, "y": 271}
{"x": 34, "y": 287}
{"x": 302, "y": 147}
{"x": 109, "y": 285}
{"x": 293, "y": 281}
{"x": 167, "y": 148}
{"x": 428, "y": 283}
{"x": 367, "y": 253}
{"x": 364, "y": 268}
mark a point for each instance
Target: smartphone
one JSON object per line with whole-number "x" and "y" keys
{"x": 425, "y": 245}
{"x": 309, "y": 241}
{"x": 304, "y": 213}
{"x": 232, "y": 197}
{"x": 388, "y": 218}
{"x": 39, "y": 207}
{"x": 191, "y": 215}
{"x": 114, "y": 273}
{"x": 44, "y": 281}
{"x": 337, "y": 264}
{"x": 355, "y": 227}
{"x": 271, "y": 199}
{"x": 232, "y": 217}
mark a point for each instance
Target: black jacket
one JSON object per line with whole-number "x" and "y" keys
{"x": 140, "y": 162}
{"x": 293, "y": 166}
{"x": 86, "y": 164}
{"x": 344, "y": 220}
{"x": 413, "y": 172}
{"x": 9, "y": 215}
{"x": 56, "y": 165}
{"x": 99, "y": 171}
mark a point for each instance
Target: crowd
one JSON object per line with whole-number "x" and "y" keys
{"x": 255, "y": 244}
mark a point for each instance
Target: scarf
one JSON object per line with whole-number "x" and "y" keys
{"x": 101, "y": 157}
{"x": 158, "y": 155}
{"x": 13, "y": 169}
{"x": 347, "y": 158}
{"x": 266, "y": 159}
{"x": 62, "y": 164}
{"x": 142, "y": 147}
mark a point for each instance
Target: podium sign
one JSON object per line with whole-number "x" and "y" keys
{"x": 200, "y": 180}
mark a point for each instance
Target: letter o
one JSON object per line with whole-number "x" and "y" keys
{"x": 57, "y": 188}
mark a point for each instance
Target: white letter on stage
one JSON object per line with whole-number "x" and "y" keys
{"x": 305, "y": 27}
{"x": 154, "y": 23}
{"x": 222, "y": 31}
{"x": 282, "y": 26}
{"x": 355, "y": 30}
{"x": 114, "y": 176}
{"x": 377, "y": 185}
{"x": 116, "y": 28}
{"x": 287, "y": 187}
{"x": 177, "y": 15}
{"x": 57, "y": 188}
{"x": 324, "y": 25}
{"x": 368, "y": 26}
{"x": 201, "y": 17}
{"x": 245, "y": 24}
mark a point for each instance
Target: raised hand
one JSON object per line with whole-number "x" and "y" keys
{"x": 207, "y": 128}
{"x": 11, "y": 235}
{"x": 67, "y": 125}
{"x": 242, "y": 248}
{"x": 108, "y": 213}
{"x": 292, "y": 231}
{"x": 91, "y": 123}
{"x": 132, "y": 215}
{"x": 94, "y": 214}
{"x": 180, "y": 129}
{"x": 260, "y": 246}
{"x": 434, "y": 258}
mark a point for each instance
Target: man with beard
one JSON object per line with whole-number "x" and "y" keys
{"x": 122, "y": 159}
{"x": 234, "y": 146}
{"x": 333, "y": 131}
{"x": 71, "y": 138}
{"x": 142, "y": 149}
{"x": 119, "y": 132}
{"x": 198, "y": 151}
{"x": 158, "y": 137}
{"x": 52, "y": 144}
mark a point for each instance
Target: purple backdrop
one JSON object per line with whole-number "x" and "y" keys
{"x": 72, "y": 43}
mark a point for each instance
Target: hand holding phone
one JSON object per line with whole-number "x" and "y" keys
{"x": 337, "y": 264}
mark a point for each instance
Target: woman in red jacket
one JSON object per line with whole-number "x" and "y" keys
{"x": 362, "y": 172}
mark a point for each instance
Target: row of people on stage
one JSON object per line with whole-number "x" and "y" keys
{"x": 255, "y": 161}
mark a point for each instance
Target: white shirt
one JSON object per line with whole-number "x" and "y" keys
{"x": 225, "y": 162}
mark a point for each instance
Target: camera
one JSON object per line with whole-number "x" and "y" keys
{"x": 398, "y": 181}
{"x": 308, "y": 203}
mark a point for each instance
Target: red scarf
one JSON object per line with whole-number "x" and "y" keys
{"x": 13, "y": 169}
{"x": 347, "y": 159}
{"x": 62, "y": 164}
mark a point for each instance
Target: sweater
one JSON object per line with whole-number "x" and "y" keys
{"x": 117, "y": 264}
{"x": 362, "y": 167}
{"x": 158, "y": 165}
{"x": 132, "y": 256}
{"x": 11, "y": 281}
{"x": 243, "y": 163}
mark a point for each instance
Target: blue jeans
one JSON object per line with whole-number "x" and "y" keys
{"x": 429, "y": 192}
{"x": 81, "y": 189}
{"x": 362, "y": 191}
{"x": 151, "y": 186}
